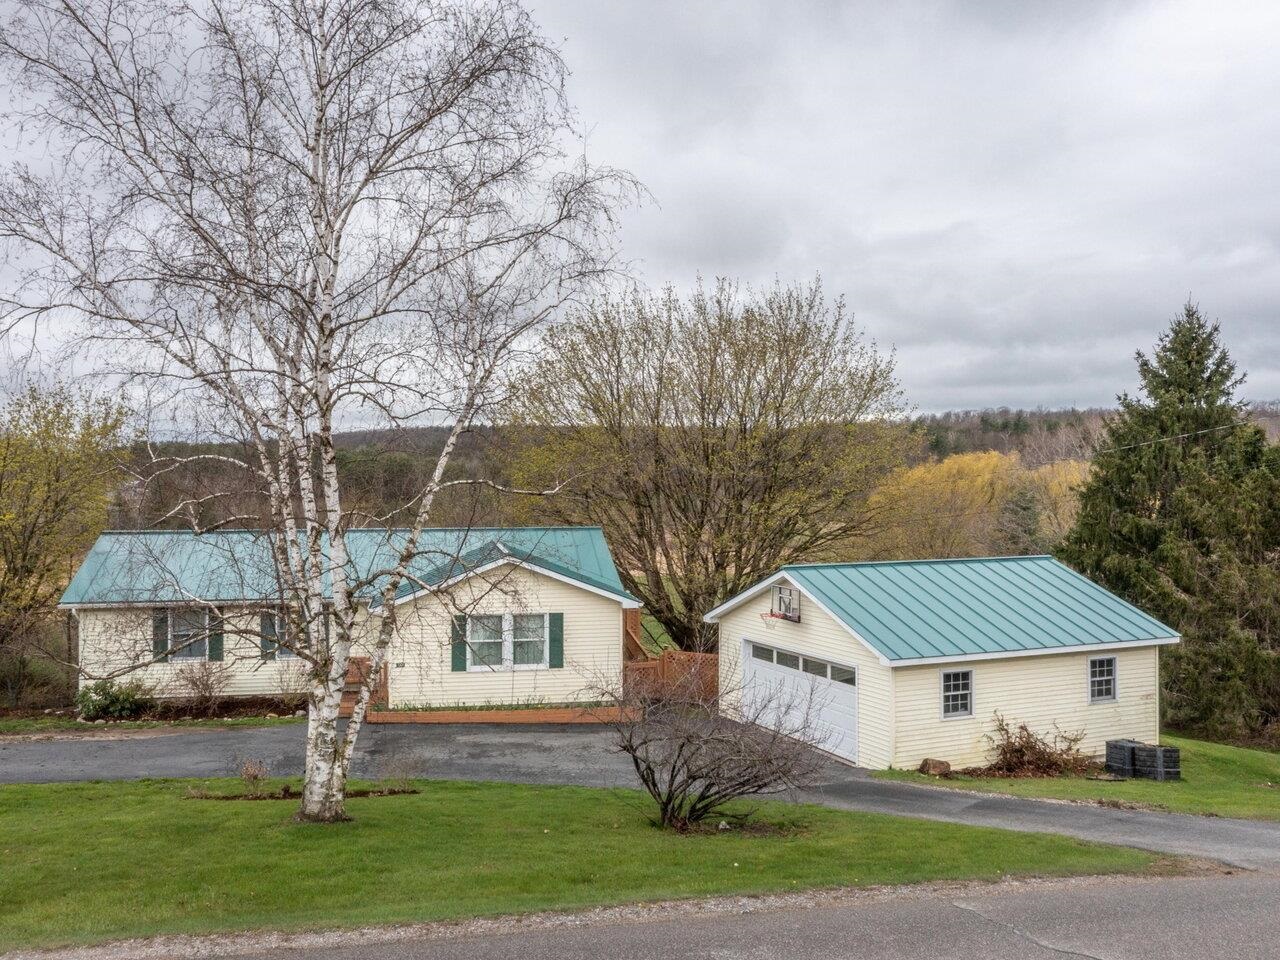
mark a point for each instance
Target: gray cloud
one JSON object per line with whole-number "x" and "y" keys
{"x": 1017, "y": 196}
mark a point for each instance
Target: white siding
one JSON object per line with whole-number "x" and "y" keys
{"x": 822, "y": 637}
{"x": 1036, "y": 690}
{"x": 111, "y": 640}
{"x": 421, "y": 664}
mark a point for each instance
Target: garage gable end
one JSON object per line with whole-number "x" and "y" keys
{"x": 783, "y": 577}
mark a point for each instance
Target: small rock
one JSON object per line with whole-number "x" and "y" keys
{"x": 300, "y": 713}
{"x": 50, "y": 710}
{"x": 272, "y": 716}
{"x": 723, "y": 825}
{"x": 935, "y": 768}
{"x": 99, "y": 723}
{"x": 81, "y": 720}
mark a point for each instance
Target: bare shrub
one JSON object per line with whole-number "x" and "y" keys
{"x": 202, "y": 686}
{"x": 253, "y": 772}
{"x": 398, "y": 769}
{"x": 1021, "y": 752}
{"x": 292, "y": 687}
{"x": 696, "y": 751}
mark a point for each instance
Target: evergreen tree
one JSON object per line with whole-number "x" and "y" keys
{"x": 1181, "y": 516}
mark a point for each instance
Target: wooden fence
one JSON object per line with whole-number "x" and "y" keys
{"x": 357, "y": 670}
{"x": 675, "y": 672}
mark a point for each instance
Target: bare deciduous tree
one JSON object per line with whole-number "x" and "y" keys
{"x": 714, "y": 438}
{"x": 278, "y": 215}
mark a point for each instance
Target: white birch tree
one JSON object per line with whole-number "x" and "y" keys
{"x": 290, "y": 212}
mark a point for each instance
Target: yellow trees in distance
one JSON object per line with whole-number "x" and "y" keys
{"x": 975, "y": 504}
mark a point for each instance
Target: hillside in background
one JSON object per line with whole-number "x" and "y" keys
{"x": 383, "y": 469}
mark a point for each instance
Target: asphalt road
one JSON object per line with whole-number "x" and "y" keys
{"x": 582, "y": 756}
{"x": 1200, "y": 918}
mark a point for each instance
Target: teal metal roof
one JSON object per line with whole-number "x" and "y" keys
{"x": 172, "y": 566}
{"x": 914, "y": 610}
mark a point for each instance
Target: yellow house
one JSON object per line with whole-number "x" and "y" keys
{"x": 914, "y": 659}
{"x": 488, "y": 617}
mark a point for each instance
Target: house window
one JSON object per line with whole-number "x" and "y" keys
{"x": 188, "y": 634}
{"x": 271, "y": 627}
{"x": 957, "y": 693}
{"x": 762, "y": 653}
{"x": 509, "y": 641}
{"x": 786, "y": 603}
{"x": 789, "y": 660}
{"x": 528, "y": 639}
{"x": 1102, "y": 679}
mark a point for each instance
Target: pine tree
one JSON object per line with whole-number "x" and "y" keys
{"x": 1181, "y": 516}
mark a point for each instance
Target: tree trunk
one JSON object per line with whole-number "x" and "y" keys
{"x": 324, "y": 786}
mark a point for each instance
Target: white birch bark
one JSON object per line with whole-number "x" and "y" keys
{"x": 275, "y": 217}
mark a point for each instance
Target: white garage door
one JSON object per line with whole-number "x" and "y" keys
{"x": 798, "y": 681}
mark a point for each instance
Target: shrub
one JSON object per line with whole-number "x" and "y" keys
{"x": 108, "y": 700}
{"x": 293, "y": 686}
{"x": 202, "y": 686}
{"x": 1021, "y": 752}
{"x": 695, "y": 750}
{"x": 253, "y": 772}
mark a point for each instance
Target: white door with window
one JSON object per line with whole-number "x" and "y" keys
{"x": 797, "y": 681}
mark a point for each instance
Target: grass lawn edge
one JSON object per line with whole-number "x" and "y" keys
{"x": 1219, "y": 780}
{"x": 553, "y": 850}
{"x": 338, "y": 936}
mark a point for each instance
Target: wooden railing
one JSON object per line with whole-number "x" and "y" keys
{"x": 675, "y": 673}
{"x": 632, "y": 648}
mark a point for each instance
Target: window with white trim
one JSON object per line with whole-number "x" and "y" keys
{"x": 789, "y": 660}
{"x": 271, "y": 628}
{"x": 507, "y": 641}
{"x": 1102, "y": 679}
{"x": 188, "y": 633}
{"x": 957, "y": 693}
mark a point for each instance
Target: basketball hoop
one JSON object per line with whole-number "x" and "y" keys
{"x": 770, "y": 621}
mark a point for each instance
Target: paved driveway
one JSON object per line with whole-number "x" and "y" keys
{"x": 581, "y": 755}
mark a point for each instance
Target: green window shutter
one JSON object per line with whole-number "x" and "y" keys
{"x": 267, "y": 633}
{"x": 555, "y": 650}
{"x": 160, "y": 634}
{"x": 459, "y": 643}
{"x": 215, "y": 637}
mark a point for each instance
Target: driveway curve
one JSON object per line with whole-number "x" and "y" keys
{"x": 582, "y": 756}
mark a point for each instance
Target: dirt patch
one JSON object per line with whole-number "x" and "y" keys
{"x": 289, "y": 793}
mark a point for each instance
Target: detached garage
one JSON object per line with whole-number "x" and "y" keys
{"x": 914, "y": 659}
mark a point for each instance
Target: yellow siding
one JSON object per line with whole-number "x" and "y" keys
{"x": 1035, "y": 690}
{"x": 112, "y": 640}
{"x": 420, "y": 663}
{"x": 421, "y": 673}
{"x": 820, "y": 635}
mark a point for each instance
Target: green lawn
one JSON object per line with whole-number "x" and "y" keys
{"x": 1217, "y": 779}
{"x": 654, "y": 637}
{"x": 53, "y": 724}
{"x": 96, "y": 861}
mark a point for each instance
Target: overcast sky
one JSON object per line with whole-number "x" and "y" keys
{"x": 1015, "y": 195}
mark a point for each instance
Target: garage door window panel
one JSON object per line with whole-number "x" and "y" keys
{"x": 788, "y": 660}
